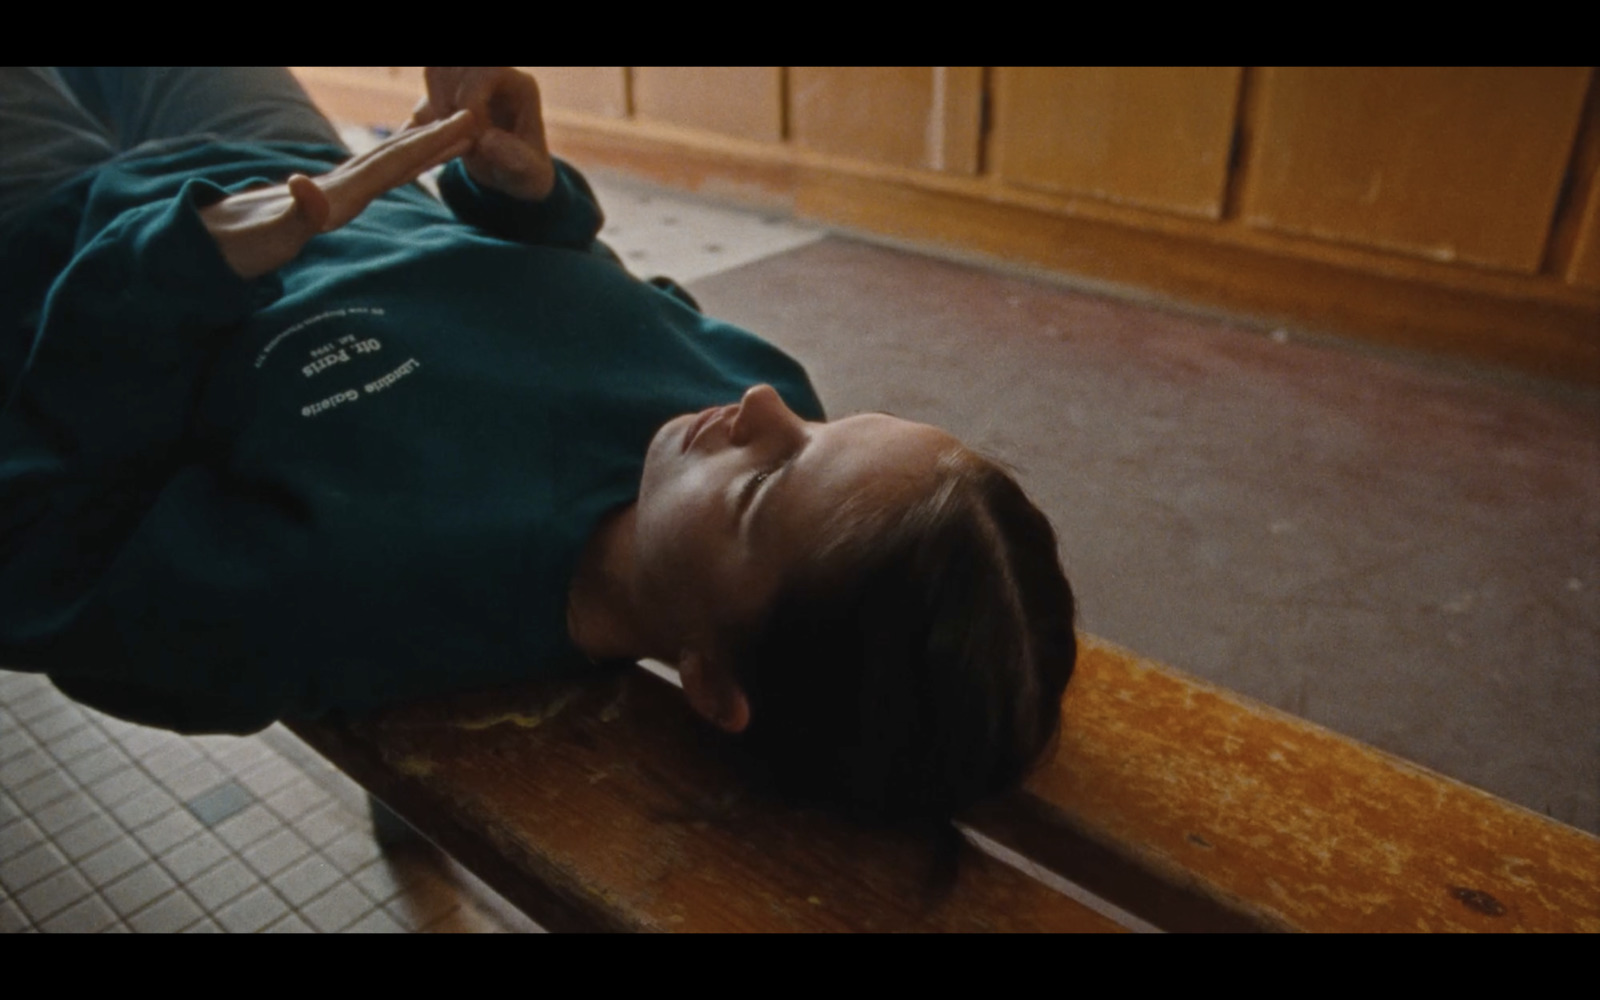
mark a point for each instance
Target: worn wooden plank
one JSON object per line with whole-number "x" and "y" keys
{"x": 609, "y": 807}
{"x": 1165, "y": 780}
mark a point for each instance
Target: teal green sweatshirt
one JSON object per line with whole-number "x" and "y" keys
{"x": 357, "y": 482}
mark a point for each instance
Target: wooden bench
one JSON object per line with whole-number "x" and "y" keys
{"x": 1170, "y": 804}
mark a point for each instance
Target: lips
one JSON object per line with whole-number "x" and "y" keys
{"x": 700, "y": 422}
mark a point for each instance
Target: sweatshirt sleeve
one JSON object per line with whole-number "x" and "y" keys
{"x": 567, "y": 217}
{"x": 96, "y": 422}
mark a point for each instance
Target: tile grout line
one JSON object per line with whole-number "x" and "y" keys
{"x": 236, "y": 853}
{"x": 73, "y": 863}
{"x": 137, "y": 761}
{"x": 152, "y": 781}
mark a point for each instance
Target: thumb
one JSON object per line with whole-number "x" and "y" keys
{"x": 310, "y": 201}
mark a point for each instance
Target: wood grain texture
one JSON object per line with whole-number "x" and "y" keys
{"x": 745, "y": 102}
{"x": 922, "y": 117}
{"x": 1154, "y": 137}
{"x": 1453, "y": 164}
{"x": 610, "y": 807}
{"x": 1289, "y": 824}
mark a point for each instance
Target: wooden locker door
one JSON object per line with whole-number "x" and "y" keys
{"x": 923, "y": 117}
{"x": 1152, "y": 137}
{"x": 363, "y": 95}
{"x": 1580, "y": 223}
{"x": 741, "y": 101}
{"x": 594, "y": 90}
{"x": 1445, "y": 163}
{"x": 1585, "y": 267}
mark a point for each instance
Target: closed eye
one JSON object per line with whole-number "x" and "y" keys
{"x": 751, "y": 485}
{"x": 752, "y": 498}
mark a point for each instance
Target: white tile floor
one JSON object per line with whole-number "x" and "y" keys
{"x": 106, "y": 826}
{"x": 656, "y": 233}
{"x": 110, "y": 827}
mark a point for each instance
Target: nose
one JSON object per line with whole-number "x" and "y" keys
{"x": 762, "y": 412}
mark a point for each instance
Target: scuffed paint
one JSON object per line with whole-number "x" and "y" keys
{"x": 1305, "y": 829}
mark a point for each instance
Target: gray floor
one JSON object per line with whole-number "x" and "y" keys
{"x": 1403, "y": 553}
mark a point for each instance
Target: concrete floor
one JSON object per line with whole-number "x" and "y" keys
{"x": 1387, "y": 547}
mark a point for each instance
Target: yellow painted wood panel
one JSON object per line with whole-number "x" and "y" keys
{"x": 594, "y": 90}
{"x": 366, "y": 95}
{"x": 742, "y": 101}
{"x": 1580, "y": 218}
{"x": 1152, "y": 137}
{"x": 379, "y": 75}
{"x": 924, "y": 117}
{"x": 1453, "y": 164}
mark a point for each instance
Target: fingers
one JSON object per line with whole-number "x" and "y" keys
{"x": 407, "y": 155}
{"x": 401, "y": 159}
{"x": 310, "y": 202}
{"x": 422, "y": 114}
{"x": 509, "y": 152}
{"x": 442, "y": 83}
{"x": 501, "y": 97}
{"x": 456, "y": 88}
{"x": 512, "y": 165}
{"x": 506, "y": 155}
{"x": 482, "y": 93}
{"x": 501, "y": 150}
{"x": 530, "y": 115}
{"x": 420, "y": 143}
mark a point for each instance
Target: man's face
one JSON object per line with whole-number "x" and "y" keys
{"x": 734, "y": 498}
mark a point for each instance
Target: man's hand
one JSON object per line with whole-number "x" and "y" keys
{"x": 261, "y": 230}
{"x": 510, "y": 155}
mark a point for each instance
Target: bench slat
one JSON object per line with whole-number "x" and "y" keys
{"x": 609, "y": 807}
{"x": 1188, "y": 804}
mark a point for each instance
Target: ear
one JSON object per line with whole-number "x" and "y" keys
{"x": 712, "y": 691}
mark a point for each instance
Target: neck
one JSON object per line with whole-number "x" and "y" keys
{"x": 603, "y": 619}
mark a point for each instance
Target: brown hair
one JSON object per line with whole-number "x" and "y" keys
{"x": 916, "y": 665}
